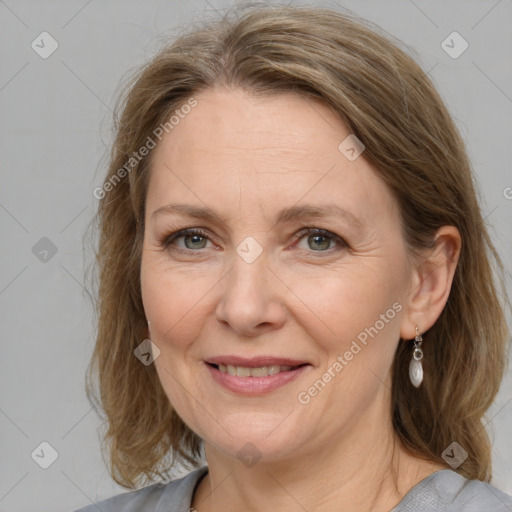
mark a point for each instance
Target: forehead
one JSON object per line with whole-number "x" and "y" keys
{"x": 225, "y": 121}
{"x": 271, "y": 152}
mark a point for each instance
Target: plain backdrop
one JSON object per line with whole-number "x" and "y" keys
{"x": 55, "y": 130}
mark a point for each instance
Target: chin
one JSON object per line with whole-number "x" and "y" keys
{"x": 252, "y": 441}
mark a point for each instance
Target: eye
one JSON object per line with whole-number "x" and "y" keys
{"x": 320, "y": 240}
{"x": 193, "y": 238}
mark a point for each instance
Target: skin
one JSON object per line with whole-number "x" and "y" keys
{"x": 306, "y": 298}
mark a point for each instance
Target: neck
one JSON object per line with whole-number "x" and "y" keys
{"x": 364, "y": 469}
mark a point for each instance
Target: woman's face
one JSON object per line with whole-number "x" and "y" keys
{"x": 258, "y": 292}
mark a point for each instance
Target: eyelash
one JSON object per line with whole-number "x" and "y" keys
{"x": 168, "y": 239}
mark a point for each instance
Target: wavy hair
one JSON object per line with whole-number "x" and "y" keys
{"x": 389, "y": 103}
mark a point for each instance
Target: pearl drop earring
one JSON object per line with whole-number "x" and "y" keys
{"x": 415, "y": 367}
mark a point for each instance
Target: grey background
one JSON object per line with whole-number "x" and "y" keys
{"x": 55, "y": 128}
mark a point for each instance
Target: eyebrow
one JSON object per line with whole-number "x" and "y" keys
{"x": 305, "y": 212}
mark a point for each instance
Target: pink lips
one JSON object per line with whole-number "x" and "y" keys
{"x": 255, "y": 385}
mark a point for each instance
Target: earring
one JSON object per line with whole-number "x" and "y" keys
{"x": 415, "y": 367}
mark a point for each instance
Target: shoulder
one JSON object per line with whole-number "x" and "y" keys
{"x": 475, "y": 495}
{"x": 448, "y": 491}
{"x": 160, "y": 497}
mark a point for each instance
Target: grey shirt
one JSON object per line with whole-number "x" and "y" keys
{"x": 442, "y": 491}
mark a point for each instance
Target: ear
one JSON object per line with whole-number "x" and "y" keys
{"x": 431, "y": 282}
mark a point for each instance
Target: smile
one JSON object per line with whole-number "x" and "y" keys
{"x": 245, "y": 371}
{"x": 256, "y": 380}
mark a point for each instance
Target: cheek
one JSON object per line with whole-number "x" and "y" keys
{"x": 357, "y": 327}
{"x": 173, "y": 301}
{"x": 335, "y": 307}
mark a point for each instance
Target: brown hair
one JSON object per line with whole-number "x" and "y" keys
{"x": 389, "y": 103}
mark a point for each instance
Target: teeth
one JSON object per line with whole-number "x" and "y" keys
{"x": 272, "y": 370}
{"x": 259, "y": 372}
{"x": 244, "y": 371}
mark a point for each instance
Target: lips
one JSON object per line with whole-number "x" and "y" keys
{"x": 257, "y": 375}
{"x": 254, "y": 367}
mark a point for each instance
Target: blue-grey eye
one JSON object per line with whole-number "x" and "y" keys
{"x": 196, "y": 241}
{"x": 319, "y": 240}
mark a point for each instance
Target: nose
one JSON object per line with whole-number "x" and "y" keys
{"x": 252, "y": 301}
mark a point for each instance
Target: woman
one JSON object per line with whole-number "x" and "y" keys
{"x": 295, "y": 276}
